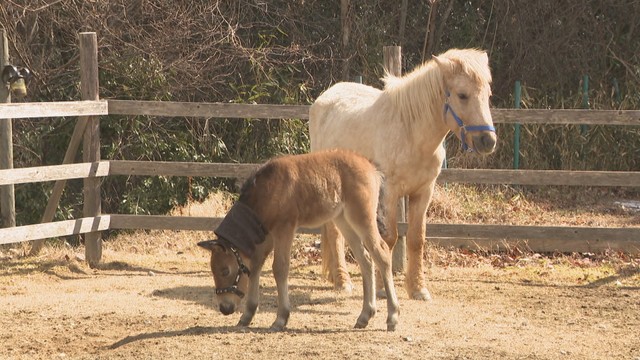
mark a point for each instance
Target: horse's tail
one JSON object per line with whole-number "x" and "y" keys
{"x": 381, "y": 212}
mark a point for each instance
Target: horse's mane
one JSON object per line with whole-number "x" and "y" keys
{"x": 247, "y": 190}
{"x": 414, "y": 93}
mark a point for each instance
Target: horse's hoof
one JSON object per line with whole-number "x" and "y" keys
{"x": 276, "y": 328}
{"x": 346, "y": 288}
{"x": 422, "y": 294}
{"x": 360, "y": 325}
{"x": 391, "y": 327}
{"x": 381, "y": 294}
{"x": 243, "y": 323}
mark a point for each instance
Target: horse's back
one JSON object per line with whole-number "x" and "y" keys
{"x": 315, "y": 187}
{"x": 344, "y": 105}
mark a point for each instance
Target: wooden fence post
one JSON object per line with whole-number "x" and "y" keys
{"x": 7, "y": 192}
{"x": 91, "y": 143}
{"x": 392, "y": 58}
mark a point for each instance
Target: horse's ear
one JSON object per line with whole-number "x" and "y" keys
{"x": 485, "y": 57}
{"x": 444, "y": 64}
{"x": 212, "y": 245}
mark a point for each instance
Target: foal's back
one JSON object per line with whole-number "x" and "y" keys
{"x": 312, "y": 189}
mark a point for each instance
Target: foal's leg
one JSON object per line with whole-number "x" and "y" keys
{"x": 390, "y": 236}
{"x": 415, "y": 280}
{"x": 283, "y": 238}
{"x": 369, "y": 240}
{"x": 333, "y": 257}
{"x": 253, "y": 293}
{"x": 367, "y": 270}
{"x": 382, "y": 258}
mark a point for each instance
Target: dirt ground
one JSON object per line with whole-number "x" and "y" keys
{"x": 159, "y": 304}
{"x": 153, "y": 298}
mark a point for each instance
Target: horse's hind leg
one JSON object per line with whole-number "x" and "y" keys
{"x": 367, "y": 240}
{"x": 366, "y": 268}
{"x": 382, "y": 258}
{"x": 334, "y": 265}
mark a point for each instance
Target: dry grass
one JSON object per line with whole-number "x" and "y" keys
{"x": 503, "y": 204}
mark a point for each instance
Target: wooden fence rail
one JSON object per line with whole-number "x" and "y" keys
{"x": 241, "y": 171}
{"x": 267, "y": 111}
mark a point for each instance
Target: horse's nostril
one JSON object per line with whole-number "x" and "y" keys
{"x": 488, "y": 141}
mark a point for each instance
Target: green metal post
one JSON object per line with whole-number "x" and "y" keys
{"x": 516, "y": 134}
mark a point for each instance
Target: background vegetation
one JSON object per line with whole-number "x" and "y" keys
{"x": 289, "y": 51}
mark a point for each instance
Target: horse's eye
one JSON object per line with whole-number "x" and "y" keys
{"x": 225, "y": 271}
{"x": 462, "y": 96}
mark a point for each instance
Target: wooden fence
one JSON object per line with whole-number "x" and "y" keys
{"x": 538, "y": 238}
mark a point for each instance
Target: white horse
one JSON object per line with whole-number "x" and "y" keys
{"x": 402, "y": 129}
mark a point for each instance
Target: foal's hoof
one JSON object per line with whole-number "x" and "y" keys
{"x": 422, "y": 294}
{"x": 360, "y": 325}
{"x": 391, "y": 327}
{"x": 243, "y": 323}
{"x": 276, "y": 328}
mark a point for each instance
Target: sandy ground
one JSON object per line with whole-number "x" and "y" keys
{"x": 160, "y": 306}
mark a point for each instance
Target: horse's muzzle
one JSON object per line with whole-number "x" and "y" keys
{"x": 485, "y": 142}
{"x": 227, "y": 309}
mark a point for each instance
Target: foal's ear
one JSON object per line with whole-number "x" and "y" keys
{"x": 211, "y": 245}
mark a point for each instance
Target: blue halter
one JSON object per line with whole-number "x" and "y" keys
{"x": 464, "y": 128}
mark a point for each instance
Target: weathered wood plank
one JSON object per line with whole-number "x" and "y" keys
{"x": 159, "y": 168}
{"x": 7, "y": 192}
{"x": 222, "y": 110}
{"x": 53, "y": 109}
{"x": 539, "y": 245}
{"x": 392, "y": 63}
{"x": 54, "y": 229}
{"x": 54, "y": 172}
{"x": 541, "y": 177}
{"x": 492, "y": 237}
{"x": 89, "y": 89}
{"x": 564, "y": 233}
{"x": 163, "y": 222}
{"x": 226, "y": 170}
{"x": 566, "y": 116}
{"x": 208, "y": 110}
{"x": 539, "y": 238}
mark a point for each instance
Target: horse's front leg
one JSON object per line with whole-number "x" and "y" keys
{"x": 253, "y": 293}
{"x": 281, "y": 258}
{"x": 414, "y": 279}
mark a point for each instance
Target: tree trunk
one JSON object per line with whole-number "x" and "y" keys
{"x": 345, "y": 16}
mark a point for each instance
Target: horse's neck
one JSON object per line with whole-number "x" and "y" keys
{"x": 419, "y": 98}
